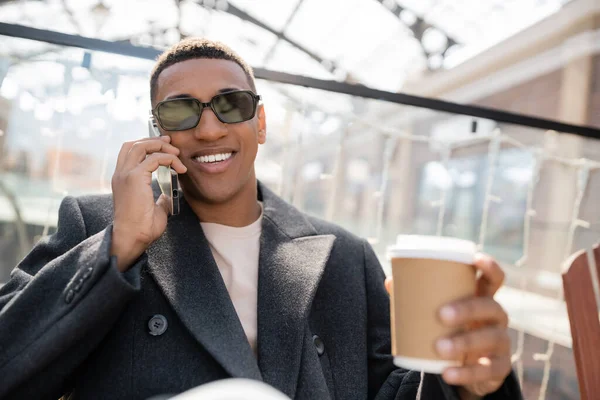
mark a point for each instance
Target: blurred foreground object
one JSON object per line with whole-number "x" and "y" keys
{"x": 233, "y": 389}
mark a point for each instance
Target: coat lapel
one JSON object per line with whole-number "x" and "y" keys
{"x": 183, "y": 266}
{"x": 291, "y": 262}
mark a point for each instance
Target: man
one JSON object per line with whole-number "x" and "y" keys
{"x": 124, "y": 302}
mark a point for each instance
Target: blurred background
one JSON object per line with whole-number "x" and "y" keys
{"x": 525, "y": 194}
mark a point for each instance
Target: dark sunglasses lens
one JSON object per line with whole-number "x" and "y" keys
{"x": 179, "y": 115}
{"x": 234, "y": 107}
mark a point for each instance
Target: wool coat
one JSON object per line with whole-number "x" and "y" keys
{"x": 72, "y": 325}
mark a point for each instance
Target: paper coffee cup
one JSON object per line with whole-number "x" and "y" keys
{"x": 429, "y": 272}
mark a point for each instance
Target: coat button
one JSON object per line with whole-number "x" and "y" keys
{"x": 318, "y": 342}
{"x": 78, "y": 285}
{"x": 87, "y": 273}
{"x": 157, "y": 325}
{"x": 69, "y": 296}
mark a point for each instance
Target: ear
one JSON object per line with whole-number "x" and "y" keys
{"x": 262, "y": 124}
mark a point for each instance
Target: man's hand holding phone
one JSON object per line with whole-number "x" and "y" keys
{"x": 138, "y": 219}
{"x": 165, "y": 176}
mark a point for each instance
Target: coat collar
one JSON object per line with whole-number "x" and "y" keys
{"x": 292, "y": 259}
{"x": 291, "y": 262}
{"x": 183, "y": 266}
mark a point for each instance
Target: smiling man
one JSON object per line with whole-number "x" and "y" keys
{"x": 125, "y": 302}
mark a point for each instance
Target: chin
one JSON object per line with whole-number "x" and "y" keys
{"x": 207, "y": 193}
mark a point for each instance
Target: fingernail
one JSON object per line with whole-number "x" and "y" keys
{"x": 448, "y": 313}
{"x": 444, "y": 346}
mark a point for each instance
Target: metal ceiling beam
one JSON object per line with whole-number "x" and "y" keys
{"x": 419, "y": 27}
{"x": 271, "y": 51}
{"x": 63, "y": 39}
{"x": 82, "y": 42}
{"x": 233, "y": 10}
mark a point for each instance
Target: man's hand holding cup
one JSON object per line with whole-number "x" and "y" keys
{"x": 454, "y": 326}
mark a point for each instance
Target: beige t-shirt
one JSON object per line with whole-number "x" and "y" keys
{"x": 236, "y": 252}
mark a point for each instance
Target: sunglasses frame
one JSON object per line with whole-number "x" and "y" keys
{"x": 255, "y": 100}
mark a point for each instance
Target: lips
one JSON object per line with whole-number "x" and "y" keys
{"x": 213, "y": 161}
{"x": 213, "y": 151}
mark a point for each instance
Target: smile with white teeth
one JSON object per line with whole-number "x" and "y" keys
{"x": 213, "y": 158}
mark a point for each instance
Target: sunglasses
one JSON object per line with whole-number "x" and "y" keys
{"x": 229, "y": 107}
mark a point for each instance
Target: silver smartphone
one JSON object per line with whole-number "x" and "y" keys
{"x": 166, "y": 176}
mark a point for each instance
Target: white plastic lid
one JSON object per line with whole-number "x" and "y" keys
{"x": 420, "y": 364}
{"x": 433, "y": 247}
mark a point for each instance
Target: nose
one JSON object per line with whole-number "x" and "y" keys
{"x": 209, "y": 127}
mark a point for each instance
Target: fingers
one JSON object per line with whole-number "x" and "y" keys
{"x": 163, "y": 203}
{"x": 486, "y": 370}
{"x": 153, "y": 161}
{"x": 491, "y": 277}
{"x": 493, "y": 341}
{"x": 126, "y": 147}
{"x": 147, "y": 154}
{"x": 141, "y": 149}
{"x": 388, "y": 285}
{"x": 473, "y": 310}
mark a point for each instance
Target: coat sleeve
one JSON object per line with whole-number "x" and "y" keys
{"x": 59, "y": 303}
{"x": 386, "y": 381}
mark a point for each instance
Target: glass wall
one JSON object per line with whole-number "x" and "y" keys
{"x": 65, "y": 113}
{"x": 376, "y": 168}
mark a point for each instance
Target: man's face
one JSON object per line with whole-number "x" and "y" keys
{"x": 215, "y": 182}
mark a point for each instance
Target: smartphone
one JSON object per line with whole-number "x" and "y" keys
{"x": 165, "y": 176}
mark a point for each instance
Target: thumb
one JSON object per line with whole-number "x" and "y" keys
{"x": 388, "y": 285}
{"x": 164, "y": 203}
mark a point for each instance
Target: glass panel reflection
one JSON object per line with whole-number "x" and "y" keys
{"x": 64, "y": 114}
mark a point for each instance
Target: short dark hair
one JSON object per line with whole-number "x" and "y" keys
{"x": 192, "y": 48}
